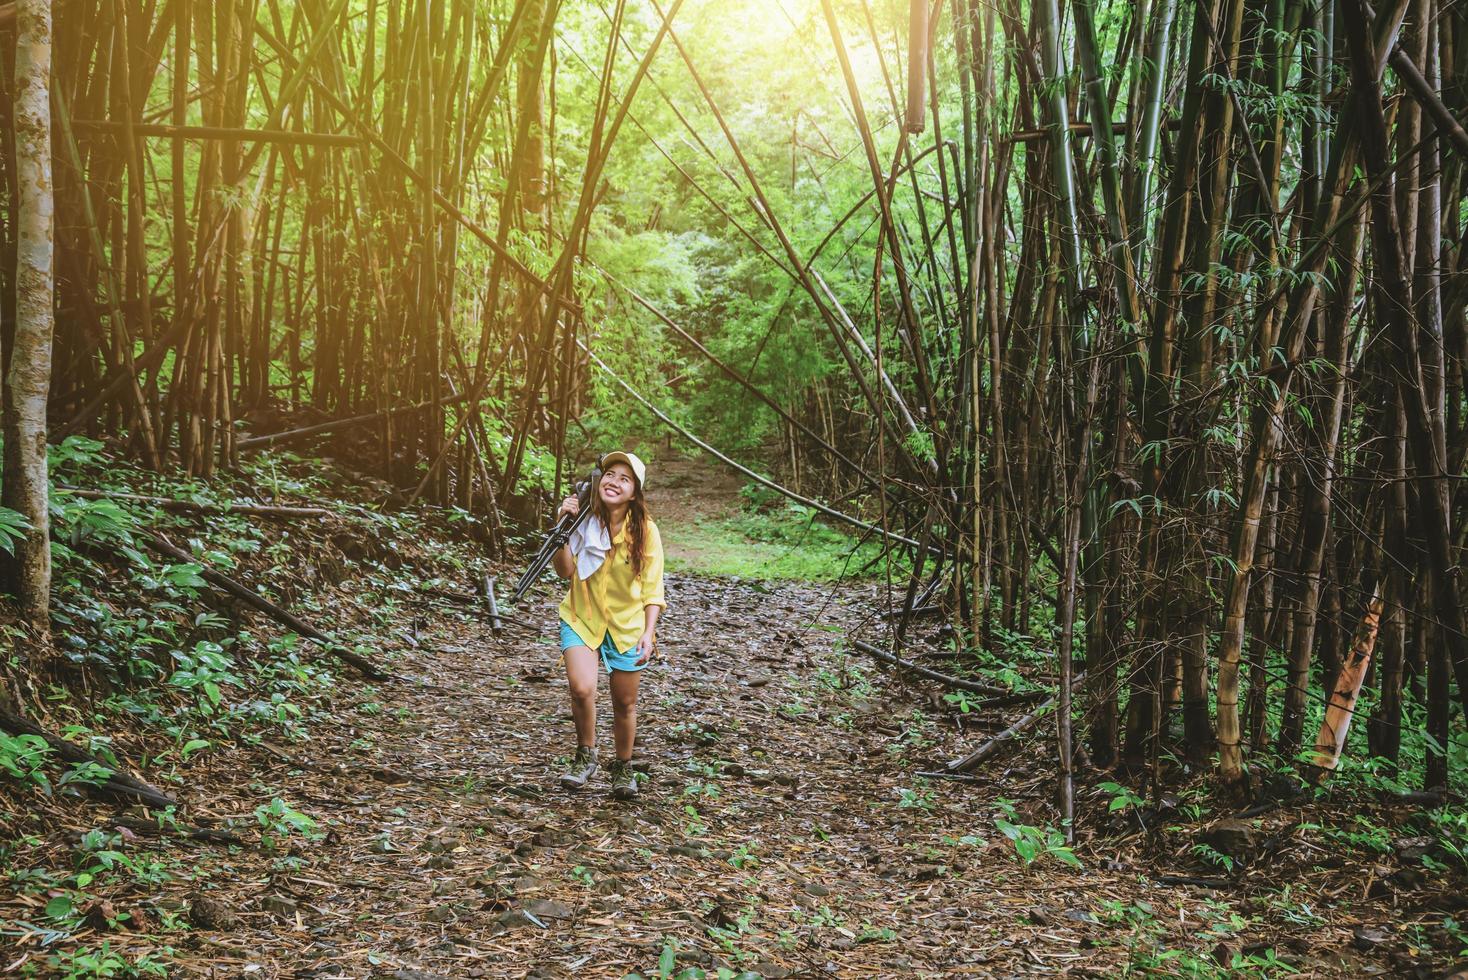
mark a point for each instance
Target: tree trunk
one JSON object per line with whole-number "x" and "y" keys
{"x": 28, "y": 359}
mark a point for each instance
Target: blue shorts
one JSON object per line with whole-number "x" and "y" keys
{"x": 611, "y": 658}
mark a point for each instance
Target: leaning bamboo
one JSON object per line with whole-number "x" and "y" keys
{"x": 1341, "y": 708}
{"x": 175, "y": 505}
{"x": 251, "y": 598}
{"x": 337, "y": 425}
{"x": 972, "y": 761}
{"x": 758, "y": 478}
{"x": 284, "y": 137}
{"x": 947, "y": 680}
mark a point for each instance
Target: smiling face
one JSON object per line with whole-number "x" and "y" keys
{"x": 618, "y": 486}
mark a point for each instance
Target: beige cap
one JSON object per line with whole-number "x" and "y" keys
{"x": 639, "y": 468}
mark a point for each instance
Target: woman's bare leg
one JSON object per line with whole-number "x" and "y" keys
{"x": 581, "y": 670}
{"x": 624, "y": 710}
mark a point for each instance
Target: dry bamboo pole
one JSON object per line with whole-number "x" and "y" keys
{"x": 427, "y": 298}
{"x": 957, "y": 683}
{"x": 928, "y": 256}
{"x": 1118, "y": 245}
{"x": 1197, "y": 355}
{"x": 1078, "y": 402}
{"x": 337, "y": 425}
{"x": 253, "y": 599}
{"x": 973, "y": 760}
{"x": 1320, "y": 485}
{"x": 136, "y": 277}
{"x": 1341, "y": 708}
{"x": 175, "y": 505}
{"x": 1145, "y": 705}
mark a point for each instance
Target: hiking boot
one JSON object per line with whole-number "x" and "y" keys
{"x": 624, "y": 781}
{"x": 580, "y": 769}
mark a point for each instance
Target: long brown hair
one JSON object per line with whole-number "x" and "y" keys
{"x": 636, "y": 521}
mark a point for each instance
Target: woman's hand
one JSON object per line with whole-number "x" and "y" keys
{"x": 646, "y": 646}
{"x": 570, "y": 506}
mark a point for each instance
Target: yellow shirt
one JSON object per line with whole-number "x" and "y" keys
{"x": 612, "y": 600}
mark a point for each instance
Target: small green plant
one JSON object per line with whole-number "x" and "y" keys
{"x": 910, "y": 799}
{"x": 22, "y": 756}
{"x": 1122, "y": 798}
{"x": 1298, "y": 913}
{"x": 1211, "y": 855}
{"x": 1265, "y": 963}
{"x": 667, "y": 968}
{"x": 967, "y": 840}
{"x": 278, "y": 822}
{"x": 104, "y": 961}
{"x": 87, "y": 773}
{"x": 1364, "y": 834}
{"x": 744, "y": 856}
{"x": 1457, "y": 935}
{"x": 1450, "y": 827}
{"x": 13, "y": 526}
{"x": 206, "y": 669}
{"x": 1033, "y": 842}
{"x": 961, "y": 701}
{"x": 699, "y": 788}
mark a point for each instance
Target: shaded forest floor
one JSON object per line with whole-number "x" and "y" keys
{"x": 411, "y": 827}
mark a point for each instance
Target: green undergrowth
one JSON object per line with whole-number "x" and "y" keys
{"x": 154, "y": 671}
{"x": 771, "y": 538}
{"x": 162, "y": 651}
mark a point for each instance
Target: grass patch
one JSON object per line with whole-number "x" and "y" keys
{"x": 786, "y": 542}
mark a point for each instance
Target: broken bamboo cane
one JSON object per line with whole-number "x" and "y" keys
{"x": 368, "y": 669}
{"x": 972, "y": 760}
{"x": 948, "y": 680}
{"x": 118, "y": 784}
{"x": 284, "y": 136}
{"x": 495, "y": 626}
{"x": 174, "y": 505}
{"x": 1342, "y": 705}
{"x": 258, "y": 442}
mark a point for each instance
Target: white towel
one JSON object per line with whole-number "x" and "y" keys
{"x": 589, "y": 545}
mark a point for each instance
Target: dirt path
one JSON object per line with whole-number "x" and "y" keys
{"x": 684, "y": 492}
{"x": 771, "y": 833}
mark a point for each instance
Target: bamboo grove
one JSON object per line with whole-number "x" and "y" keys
{"x": 1141, "y": 325}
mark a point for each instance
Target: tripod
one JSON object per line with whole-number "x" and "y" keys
{"x": 556, "y": 539}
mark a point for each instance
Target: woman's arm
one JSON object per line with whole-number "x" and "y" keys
{"x": 648, "y": 640}
{"x": 562, "y": 561}
{"x": 653, "y": 601}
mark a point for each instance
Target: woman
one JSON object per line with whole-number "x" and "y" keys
{"x": 615, "y": 563}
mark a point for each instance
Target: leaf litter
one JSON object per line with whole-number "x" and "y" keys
{"x": 781, "y": 828}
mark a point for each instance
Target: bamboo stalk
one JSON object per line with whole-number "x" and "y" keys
{"x": 286, "y": 137}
